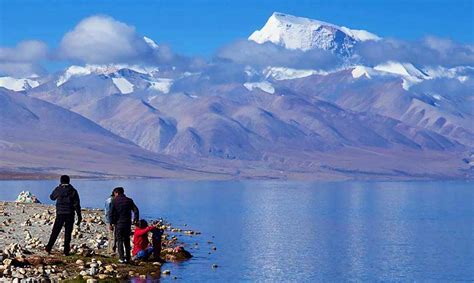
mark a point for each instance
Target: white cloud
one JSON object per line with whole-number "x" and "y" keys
{"x": 25, "y": 51}
{"x": 23, "y": 59}
{"x": 429, "y": 51}
{"x": 102, "y": 39}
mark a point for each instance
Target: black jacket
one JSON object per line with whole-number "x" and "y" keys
{"x": 121, "y": 214}
{"x": 67, "y": 200}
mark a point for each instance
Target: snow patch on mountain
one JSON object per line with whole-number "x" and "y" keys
{"x": 151, "y": 42}
{"x": 304, "y": 34}
{"x": 282, "y": 73}
{"x": 17, "y": 84}
{"x": 404, "y": 69}
{"x": 409, "y": 73}
{"x": 123, "y": 85}
{"x": 77, "y": 71}
{"x": 458, "y": 73}
{"x": 70, "y": 72}
{"x": 161, "y": 84}
{"x": 263, "y": 85}
{"x": 360, "y": 34}
{"x": 360, "y": 71}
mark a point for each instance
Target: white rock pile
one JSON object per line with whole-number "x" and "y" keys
{"x": 27, "y": 197}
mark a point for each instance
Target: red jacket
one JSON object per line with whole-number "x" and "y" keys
{"x": 140, "y": 239}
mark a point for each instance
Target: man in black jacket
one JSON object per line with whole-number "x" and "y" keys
{"x": 67, "y": 202}
{"x": 121, "y": 218}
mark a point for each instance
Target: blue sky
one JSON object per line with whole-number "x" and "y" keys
{"x": 201, "y": 27}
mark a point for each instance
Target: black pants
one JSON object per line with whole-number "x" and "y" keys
{"x": 156, "y": 242}
{"x": 66, "y": 220}
{"x": 122, "y": 236}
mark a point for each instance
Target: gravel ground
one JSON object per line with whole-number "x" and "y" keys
{"x": 25, "y": 229}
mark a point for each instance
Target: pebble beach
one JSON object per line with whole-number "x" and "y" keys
{"x": 25, "y": 229}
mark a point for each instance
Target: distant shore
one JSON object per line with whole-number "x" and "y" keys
{"x": 289, "y": 176}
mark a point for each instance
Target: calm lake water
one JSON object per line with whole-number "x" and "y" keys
{"x": 302, "y": 231}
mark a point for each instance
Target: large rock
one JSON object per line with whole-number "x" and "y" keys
{"x": 176, "y": 254}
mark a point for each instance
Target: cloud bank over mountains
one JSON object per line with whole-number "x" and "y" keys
{"x": 24, "y": 59}
{"x": 429, "y": 51}
{"x": 101, "y": 39}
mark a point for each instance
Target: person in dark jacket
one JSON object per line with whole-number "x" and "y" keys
{"x": 121, "y": 219}
{"x": 67, "y": 203}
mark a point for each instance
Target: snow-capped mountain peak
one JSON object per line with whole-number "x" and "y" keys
{"x": 151, "y": 42}
{"x": 305, "y": 34}
{"x": 16, "y": 84}
{"x": 77, "y": 71}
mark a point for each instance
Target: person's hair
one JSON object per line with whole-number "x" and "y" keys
{"x": 142, "y": 224}
{"x": 65, "y": 179}
{"x": 119, "y": 190}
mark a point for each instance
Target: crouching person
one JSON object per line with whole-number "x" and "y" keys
{"x": 142, "y": 249}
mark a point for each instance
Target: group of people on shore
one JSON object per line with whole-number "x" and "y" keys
{"x": 118, "y": 216}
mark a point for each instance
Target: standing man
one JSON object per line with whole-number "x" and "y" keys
{"x": 67, "y": 202}
{"x": 121, "y": 217}
{"x": 108, "y": 220}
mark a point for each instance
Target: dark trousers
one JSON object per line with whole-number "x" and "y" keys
{"x": 66, "y": 220}
{"x": 122, "y": 236}
{"x": 156, "y": 242}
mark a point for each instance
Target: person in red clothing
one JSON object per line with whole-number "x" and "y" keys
{"x": 142, "y": 249}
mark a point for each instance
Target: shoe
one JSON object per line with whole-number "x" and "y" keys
{"x": 124, "y": 261}
{"x": 47, "y": 250}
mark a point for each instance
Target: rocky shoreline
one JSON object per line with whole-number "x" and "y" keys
{"x": 25, "y": 228}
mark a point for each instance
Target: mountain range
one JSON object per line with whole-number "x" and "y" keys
{"x": 354, "y": 121}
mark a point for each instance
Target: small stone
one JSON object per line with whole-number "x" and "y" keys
{"x": 157, "y": 263}
{"x": 166, "y": 272}
{"x": 79, "y": 262}
{"x": 109, "y": 268}
{"x": 214, "y": 248}
{"x": 91, "y": 280}
{"x": 142, "y": 276}
{"x": 83, "y": 273}
{"x": 93, "y": 271}
{"x": 102, "y": 276}
{"x": 215, "y": 266}
{"x": 7, "y": 262}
